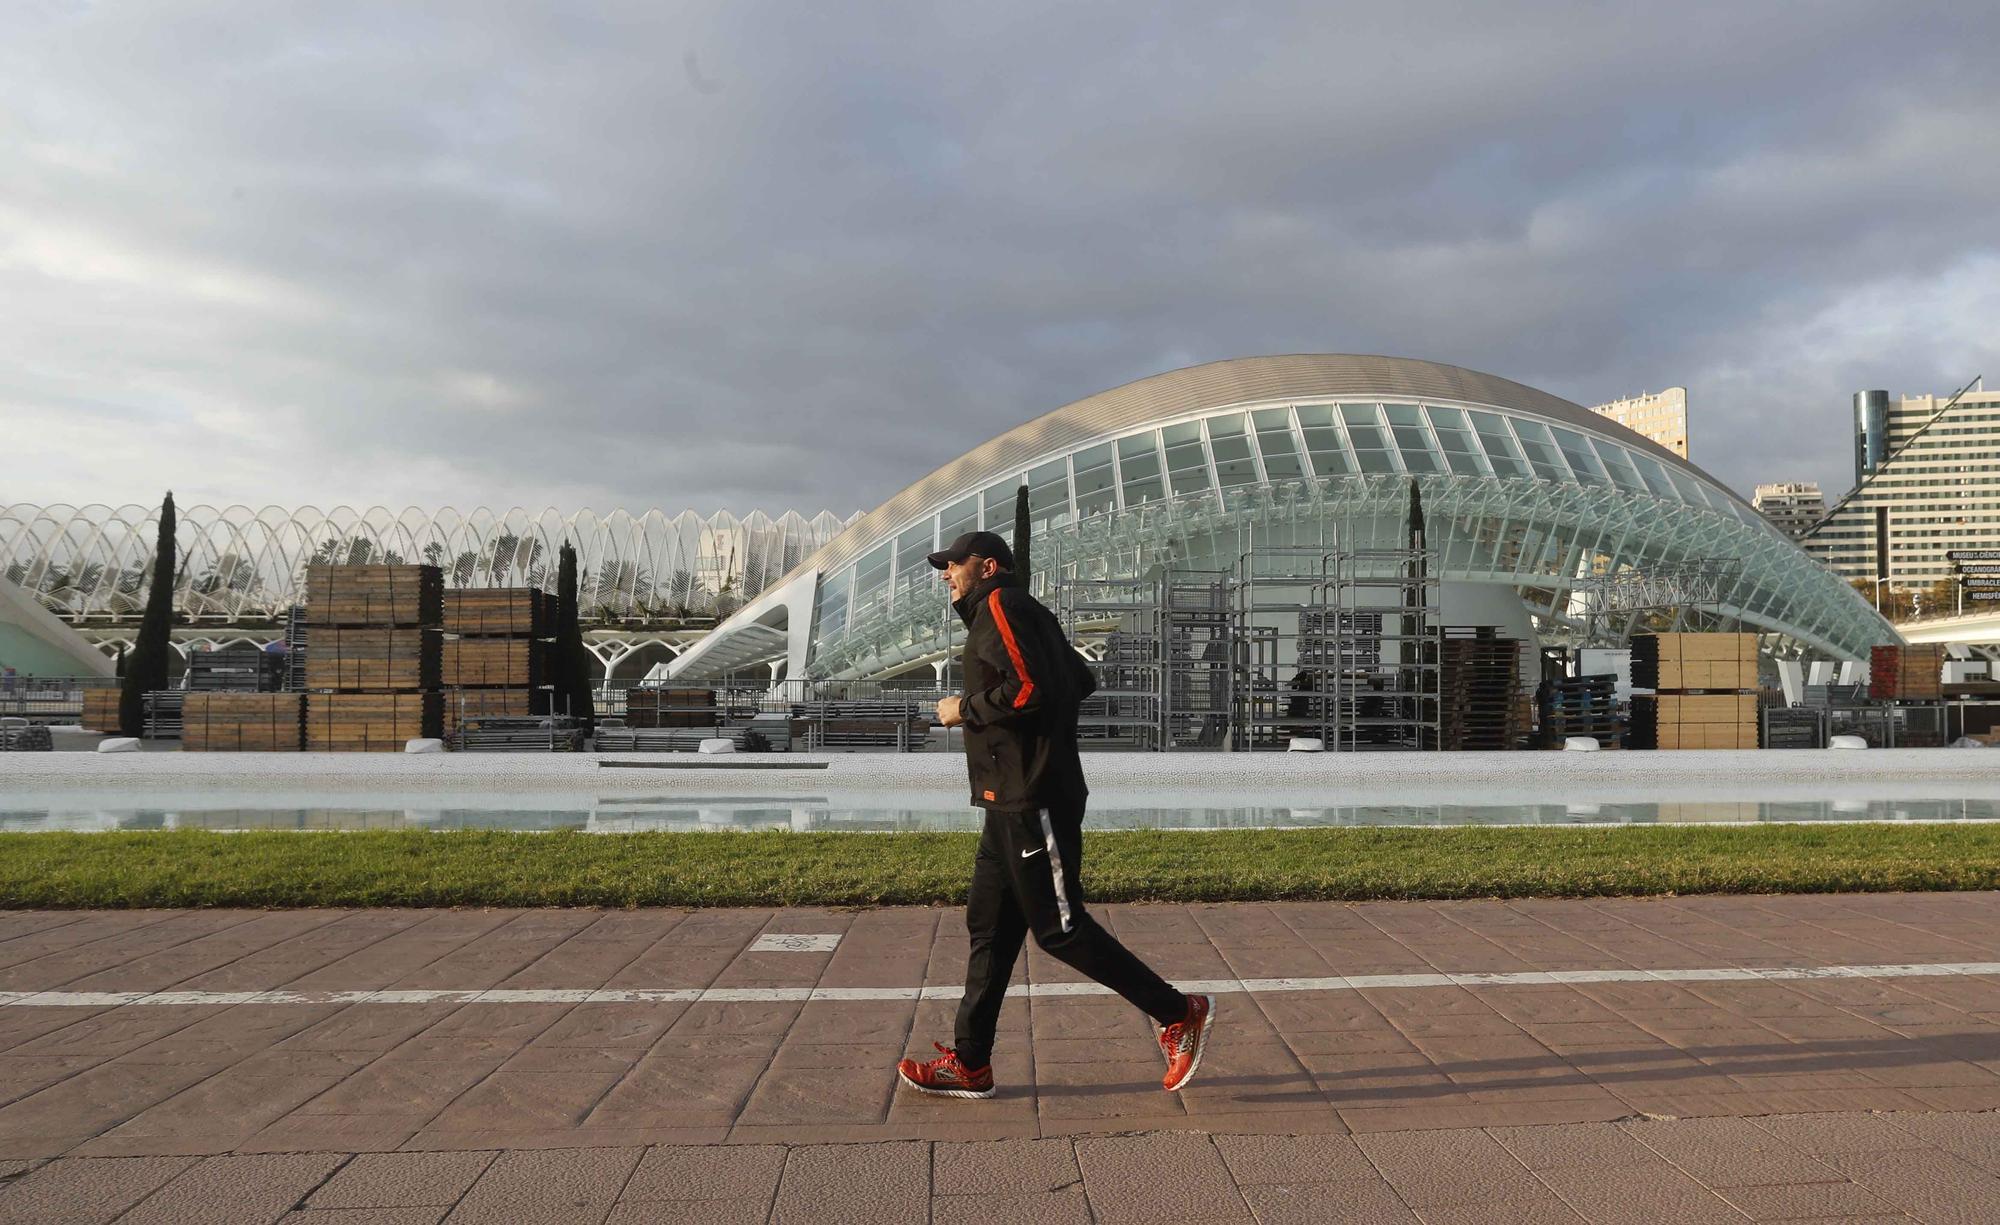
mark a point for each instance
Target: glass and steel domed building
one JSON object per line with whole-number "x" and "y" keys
{"x": 1529, "y": 499}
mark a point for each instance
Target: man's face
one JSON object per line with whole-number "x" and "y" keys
{"x": 963, "y": 576}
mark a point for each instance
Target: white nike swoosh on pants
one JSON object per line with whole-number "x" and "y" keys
{"x": 1033, "y": 853}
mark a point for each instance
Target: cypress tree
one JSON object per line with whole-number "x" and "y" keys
{"x": 147, "y": 669}
{"x": 1021, "y": 541}
{"x": 572, "y": 670}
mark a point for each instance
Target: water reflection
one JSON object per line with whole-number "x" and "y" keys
{"x": 632, "y": 814}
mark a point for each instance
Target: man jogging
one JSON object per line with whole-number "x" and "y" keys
{"x": 1023, "y": 684}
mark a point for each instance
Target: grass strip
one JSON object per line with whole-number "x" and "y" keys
{"x": 195, "y": 868}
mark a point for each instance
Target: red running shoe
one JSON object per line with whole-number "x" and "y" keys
{"x": 945, "y": 1076}
{"x": 1185, "y": 1040}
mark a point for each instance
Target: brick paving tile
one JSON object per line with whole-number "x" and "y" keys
{"x": 1730, "y": 1152}
{"x": 611, "y": 1026}
{"x": 1255, "y": 1160}
{"x": 235, "y": 1190}
{"x": 401, "y": 1180}
{"x": 734, "y": 1020}
{"x": 363, "y": 1216}
{"x": 85, "y": 1191}
{"x": 691, "y": 1083}
{"x": 1070, "y": 1207}
{"x": 1545, "y": 1209}
{"x": 725, "y": 1172}
{"x": 1345, "y": 1202}
{"x": 1787, "y": 1201}
{"x": 525, "y": 1101}
{"x": 1004, "y": 1167}
{"x": 1590, "y": 1145}
{"x": 362, "y": 1027}
{"x": 555, "y": 1185}
{"x": 1448, "y": 1167}
{"x": 1163, "y": 1176}
{"x": 1935, "y": 1186}
{"x": 854, "y": 1183}
{"x": 1640, "y": 1195}
{"x": 691, "y": 1212}
{"x": 476, "y": 1031}
{"x": 87, "y": 1103}
{"x": 406, "y": 1089}
{"x": 1100, "y": 1091}
{"x": 331, "y": 1133}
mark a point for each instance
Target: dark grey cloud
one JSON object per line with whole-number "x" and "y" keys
{"x": 738, "y": 256}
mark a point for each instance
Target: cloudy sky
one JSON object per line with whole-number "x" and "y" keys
{"x": 794, "y": 256}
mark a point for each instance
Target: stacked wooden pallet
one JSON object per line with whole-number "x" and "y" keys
{"x": 374, "y": 595}
{"x": 1705, "y": 691}
{"x": 654, "y": 706}
{"x": 243, "y": 722}
{"x": 100, "y": 710}
{"x": 376, "y": 660}
{"x": 496, "y": 658}
{"x": 1906, "y": 673}
{"x": 1481, "y": 689}
{"x": 1584, "y": 706}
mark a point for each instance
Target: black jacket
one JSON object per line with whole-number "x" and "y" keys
{"x": 1023, "y": 685}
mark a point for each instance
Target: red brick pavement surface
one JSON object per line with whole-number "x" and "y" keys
{"x": 1809, "y": 1098}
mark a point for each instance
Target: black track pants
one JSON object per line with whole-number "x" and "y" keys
{"x": 1025, "y": 879}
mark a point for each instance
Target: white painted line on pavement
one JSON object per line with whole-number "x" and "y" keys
{"x": 793, "y": 995}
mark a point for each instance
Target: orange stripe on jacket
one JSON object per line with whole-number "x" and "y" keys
{"x": 1013, "y": 651}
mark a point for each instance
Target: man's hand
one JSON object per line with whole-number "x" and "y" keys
{"x": 948, "y": 713}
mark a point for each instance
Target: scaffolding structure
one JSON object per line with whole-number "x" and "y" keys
{"x": 1117, "y": 625}
{"x": 1387, "y": 649}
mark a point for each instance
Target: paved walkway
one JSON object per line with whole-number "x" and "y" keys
{"x": 1661, "y": 1059}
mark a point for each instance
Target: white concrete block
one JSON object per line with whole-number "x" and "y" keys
{"x": 1306, "y": 744}
{"x": 1580, "y": 744}
{"x": 718, "y": 745}
{"x": 423, "y": 744}
{"x": 1847, "y": 742}
{"x": 119, "y": 744}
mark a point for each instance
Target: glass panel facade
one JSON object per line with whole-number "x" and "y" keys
{"x": 1541, "y": 451}
{"x": 958, "y": 519}
{"x": 1048, "y": 495}
{"x": 999, "y": 499}
{"x": 833, "y": 602}
{"x": 1413, "y": 440}
{"x": 1095, "y": 483}
{"x": 1230, "y": 444}
{"x": 1187, "y": 459}
{"x": 1582, "y": 460}
{"x": 1274, "y": 439}
{"x": 1498, "y": 445}
{"x": 1139, "y": 468}
{"x": 1619, "y": 465}
{"x": 1323, "y": 441}
{"x": 911, "y": 546}
{"x": 871, "y": 582}
{"x": 1456, "y": 438}
{"x": 1654, "y": 476}
{"x": 1364, "y": 431}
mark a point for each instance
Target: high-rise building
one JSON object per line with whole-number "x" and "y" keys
{"x": 1927, "y": 474}
{"x": 1660, "y": 416}
{"x": 1791, "y": 506}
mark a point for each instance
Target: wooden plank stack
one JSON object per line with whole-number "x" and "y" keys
{"x": 1694, "y": 721}
{"x": 1906, "y": 673}
{"x": 1705, "y": 691}
{"x": 100, "y": 710}
{"x": 497, "y": 661}
{"x": 354, "y": 659}
{"x": 376, "y": 659}
{"x": 1481, "y": 689}
{"x": 374, "y": 595}
{"x": 243, "y": 722}
{"x": 371, "y": 722}
{"x": 654, "y": 706}
{"x": 1695, "y": 663}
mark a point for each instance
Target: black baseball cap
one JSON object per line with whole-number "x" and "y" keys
{"x": 981, "y": 544}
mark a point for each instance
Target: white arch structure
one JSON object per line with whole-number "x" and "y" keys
{"x": 237, "y": 565}
{"x": 1525, "y": 491}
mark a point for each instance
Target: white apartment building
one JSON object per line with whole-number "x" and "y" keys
{"x": 1791, "y": 506}
{"x": 1659, "y": 416}
{"x": 1934, "y": 469}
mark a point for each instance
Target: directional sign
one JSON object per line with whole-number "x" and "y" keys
{"x": 1992, "y": 555}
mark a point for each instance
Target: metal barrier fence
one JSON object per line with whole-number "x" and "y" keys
{"x": 820, "y": 714}
{"x": 48, "y": 699}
